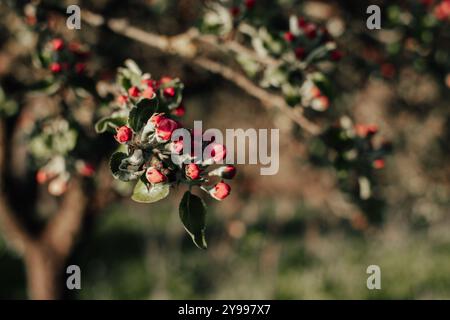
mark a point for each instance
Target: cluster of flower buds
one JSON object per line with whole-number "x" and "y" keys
{"x": 442, "y": 10}
{"x": 239, "y": 9}
{"x": 64, "y": 58}
{"x": 144, "y": 124}
{"x": 54, "y": 137}
{"x": 166, "y": 90}
{"x": 305, "y": 38}
{"x": 56, "y": 173}
{"x": 354, "y": 152}
{"x": 313, "y": 96}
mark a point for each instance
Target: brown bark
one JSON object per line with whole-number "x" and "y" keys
{"x": 44, "y": 256}
{"x": 43, "y": 271}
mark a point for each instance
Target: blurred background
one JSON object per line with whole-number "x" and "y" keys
{"x": 294, "y": 235}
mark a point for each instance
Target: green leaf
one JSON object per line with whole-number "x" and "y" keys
{"x": 109, "y": 123}
{"x": 322, "y": 82}
{"x": 140, "y": 114}
{"x": 193, "y": 216}
{"x": 115, "y": 161}
{"x": 133, "y": 67}
{"x": 149, "y": 194}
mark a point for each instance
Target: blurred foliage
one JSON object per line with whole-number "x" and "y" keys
{"x": 295, "y": 245}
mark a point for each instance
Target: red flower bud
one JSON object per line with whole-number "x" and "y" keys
{"x": 220, "y": 191}
{"x": 378, "y": 164}
{"x": 299, "y": 53}
{"x": 57, "y": 186}
{"x": 218, "y": 152}
{"x": 134, "y": 91}
{"x": 124, "y": 134}
{"x": 41, "y": 176}
{"x": 57, "y": 44}
{"x": 122, "y": 99}
{"x": 315, "y": 92}
{"x": 226, "y": 172}
{"x": 310, "y": 30}
{"x": 249, "y": 4}
{"x": 179, "y": 111}
{"x": 320, "y": 103}
{"x": 302, "y": 22}
{"x": 365, "y": 130}
{"x": 336, "y": 55}
{"x": 74, "y": 46}
{"x": 165, "y": 80}
{"x": 156, "y": 118}
{"x": 148, "y": 93}
{"x": 388, "y": 70}
{"x": 169, "y": 92}
{"x": 229, "y": 172}
{"x": 165, "y": 127}
{"x": 192, "y": 171}
{"x": 235, "y": 11}
{"x": 177, "y": 146}
{"x": 288, "y": 36}
{"x": 56, "y": 67}
{"x": 154, "y": 176}
{"x": 80, "y": 67}
{"x": 442, "y": 10}
{"x": 150, "y": 83}
{"x": 87, "y": 170}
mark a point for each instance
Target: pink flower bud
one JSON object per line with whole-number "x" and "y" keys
{"x": 124, "y": 134}
{"x": 179, "y": 111}
{"x": 192, "y": 171}
{"x": 150, "y": 83}
{"x": 177, "y": 146}
{"x": 310, "y": 30}
{"x": 156, "y": 118}
{"x": 165, "y": 80}
{"x": 363, "y": 130}
{"x": 320, "y": 103}
{"x": 57, "y": 186}
{"x": 378, "y": 164}
{"x": 218, "y": 152}
{"x": 41, "y": 176}
{"x": 86, "y": 169}
{"x": 80, "y": 67}
{"x": 336, "y": 55}
{"x": 165, "y": 127}
{"x": 249, "y": 4}
{"x": 442, "y": 10}
{"x": 388, "y": 70}
{"x": 302, "y": 22}
{"x": 57, "y": 44}
{"x": 134, "y": 92}
{"x": 315, "y": 92}
{"x": 154, "y": 176}
{"x": 229, "y": 172}
{"x": 169, "y": 92}
{"x": 74, "y": 47}
{"x": 122, "y": 99}
{"x": 288, "y": 36}
{"x": 220, "y": 191}
{"x": 235, "y": 11}
{"x": 299, "y": 53}
{"x": 226, "y": 172}
{"x": 56, "y": 67}
{"x": 148, "y": 93}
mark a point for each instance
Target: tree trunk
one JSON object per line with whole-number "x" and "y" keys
{"x": 43, "y": 268}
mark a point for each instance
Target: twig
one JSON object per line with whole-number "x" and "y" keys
{"x": 184, "y": 46}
